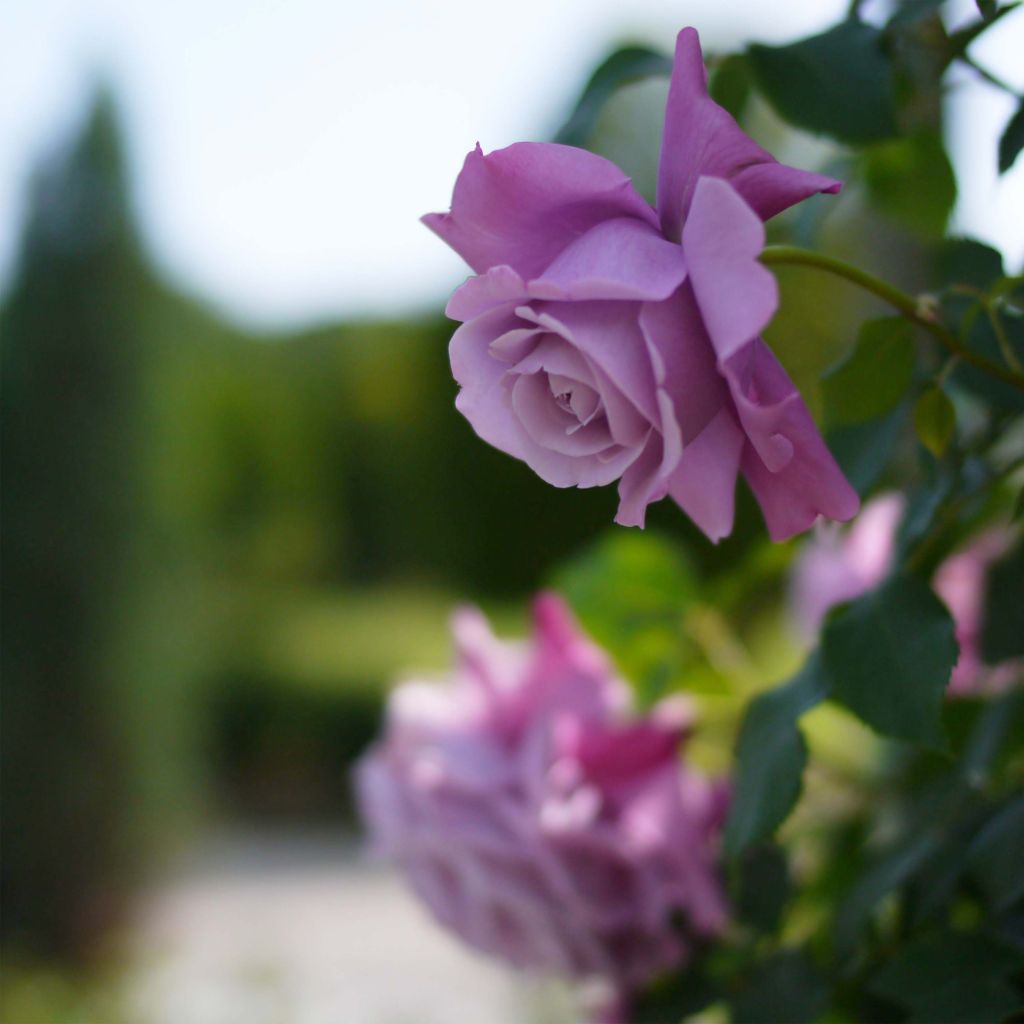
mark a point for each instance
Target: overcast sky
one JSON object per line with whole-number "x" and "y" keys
{"x": 283, "y": 150}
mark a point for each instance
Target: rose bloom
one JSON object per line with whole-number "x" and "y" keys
{"x": 537, "y": 819}
{"x": 837, "y": 566}
{"x": 605, "y": 340}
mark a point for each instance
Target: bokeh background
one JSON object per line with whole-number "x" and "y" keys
{"x": 237, "y": 500}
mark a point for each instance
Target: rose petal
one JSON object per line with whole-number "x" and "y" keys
{"x": 700, "y": 138}
{"x": 704, "y": 481}
{"x": 609, "y": 335}
{"x": 646, "y": 480}
{"x": 485, "y": 291}
{"x": 618, "y": 259}
{"x": 549, "y": 426}
{"x": 807, "y": 482}
{"x": 722, "y": 239}
{"x": 684, "y": 360}
{"x": 485, "y": 400}
{"x": 523, "y": 205}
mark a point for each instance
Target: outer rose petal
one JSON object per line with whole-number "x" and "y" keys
{"x": 704, "y": 482}
{"x": 618, "y": 259}
{"x": 787, "y": 464}
{"x": 701, "y": 138}
{"x": 722, "y": 239}
{"x": 684, "y": 360}
{"x": 499, "y": 286}
{"x": 524, "y": 204}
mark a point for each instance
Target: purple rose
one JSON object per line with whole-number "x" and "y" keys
{"x": 837, "y": 566}
{"x": 603, "y": 340}
{"x": 537, "y": 819}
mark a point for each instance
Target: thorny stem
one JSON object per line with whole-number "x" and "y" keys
{"x": 917, "y": 310}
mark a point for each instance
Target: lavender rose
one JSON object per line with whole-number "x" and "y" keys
{"x": 839, "y": 566}
{"x": 603, "y": 340}
{"x": 536, "y": 819}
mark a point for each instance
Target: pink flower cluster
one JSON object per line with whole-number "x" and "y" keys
{"x": 603, "y": 339}
{"x": 840, "y": 566}
{"x": 537, "y": 819}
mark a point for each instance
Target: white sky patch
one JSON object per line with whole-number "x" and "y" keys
{"x": 282, "y": 151}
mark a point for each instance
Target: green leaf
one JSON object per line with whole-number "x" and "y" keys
{"x": 913, "y": 10}
{"x": 911, "y": 181}
{"x": 995, "y": 857}
{"x": 730, "y": 84}
{"x": 1001, "y": 635}
{"x": 863, "y": 450}
{"x": 887, "y": 873}
{"x": 934, "y": 420}
{"x": 675, "y": 997}
{"x": 958, "y": 41}
{"x": 630, "y": 591}
{"x": 889, "y": 656}
{"x": 785, "y": 986}
{"x": 981, "y": 338}
{"x": 966, "y": 261}
{"x": 1012, "y": 140}
{"x": 873, "y": 377}
{"x": 953, "y": 977}
{"x": 838, "y": 83}
{"x": 770, "y": 758}
{"x": 762, "y": 887}
{"x": 628, "y": 64}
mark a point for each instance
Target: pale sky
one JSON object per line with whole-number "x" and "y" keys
{"x": 283, "y": 150}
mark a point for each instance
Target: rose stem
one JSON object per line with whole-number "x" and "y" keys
{"x": 911, "y": 308}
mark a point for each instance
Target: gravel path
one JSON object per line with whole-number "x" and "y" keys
{"x": 302, "y": 929}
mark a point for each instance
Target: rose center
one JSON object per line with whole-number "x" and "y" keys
{"x": 578, "y": 400}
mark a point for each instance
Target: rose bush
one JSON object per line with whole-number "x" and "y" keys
{"x": 837, "y": 566}
{"x": 540, "y": 822}
{"x": 604, "y": 340}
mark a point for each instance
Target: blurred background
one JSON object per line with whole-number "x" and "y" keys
{"x": 237, "y": 500}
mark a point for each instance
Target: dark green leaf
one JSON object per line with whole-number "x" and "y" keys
{"x": 630, "y": 591}
{"x": 864, "y": 450}
{"x": 730, "y": 84}
{"x": 886, "y": 874}
{"x": 966, "y": 261}
{"x": 889, "y": 656}
{"x": 959, "y": 40}
{"x": 837, "y": 84}
{"x": 956, "y": 978}
{"x": 912, "y": 10}
{"x": 874, "y": 375}
{"x": 923, "y": 509}
{"x": 770, "y": 757}
{"x": 981, "y": 337}
{"x": 934, "y": 420}
{"x": 628, "y": 64}
{"x": 676, "y": 997}
{"x": 1012, "y": 140}
{"x": 996, "y": 855}
{"x": 987, "y": 8}
{"x": 785, "y": 987}
{"x": 911, "y": 181}
{"x": 1002, "y": 634}
{"x": 762, "y": 887}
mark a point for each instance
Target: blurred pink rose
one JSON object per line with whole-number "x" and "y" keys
{"x": 839, "y": 565}
{"x": 604, "y": 340}
{"x": 536, "y": 819}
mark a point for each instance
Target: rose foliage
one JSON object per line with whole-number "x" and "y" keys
{"x": 866, "y": 865}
